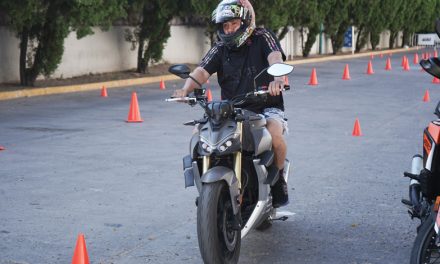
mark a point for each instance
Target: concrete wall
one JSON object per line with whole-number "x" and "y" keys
{"x": 108, "y": 51}
{"x": 9, "y": 56}
{"x": 186, "y": 45}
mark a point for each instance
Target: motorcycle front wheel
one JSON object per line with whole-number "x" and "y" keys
{"x": 218, "y": 241}
{"x": 424, "y": 250}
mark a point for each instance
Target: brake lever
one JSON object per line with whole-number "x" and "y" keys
{"x": 411, "y": 176}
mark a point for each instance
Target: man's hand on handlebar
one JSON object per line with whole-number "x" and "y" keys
{"x": 276, "y": 86}
{"x": 179, "y": 93}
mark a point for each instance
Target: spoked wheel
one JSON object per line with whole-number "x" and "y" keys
{"x": 218, "y": 241}
{"x": 425, "y": 250}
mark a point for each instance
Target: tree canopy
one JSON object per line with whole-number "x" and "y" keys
{"x": 42, "y": 26}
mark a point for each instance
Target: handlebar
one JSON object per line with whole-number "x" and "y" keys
{"x": 192, "y": 100}
{"x": 263, "y": 90}
{"x": 181, "y": 99}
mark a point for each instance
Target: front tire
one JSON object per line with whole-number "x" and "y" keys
{"x": 424, "y": 249}
{"x": 218, "y": 241}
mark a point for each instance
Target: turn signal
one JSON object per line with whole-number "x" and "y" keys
{"x": 437, "y": 204}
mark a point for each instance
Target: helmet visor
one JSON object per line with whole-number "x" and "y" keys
{"x": 226, "y": 12}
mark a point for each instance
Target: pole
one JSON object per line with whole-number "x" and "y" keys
{"x": 321, "y": 27}
{"x": 352, "y": 39}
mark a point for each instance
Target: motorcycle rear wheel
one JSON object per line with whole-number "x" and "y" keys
{"x": 218, "y": 241}
{"x": 424, "y": 249}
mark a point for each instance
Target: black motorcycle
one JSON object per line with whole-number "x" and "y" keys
{"x": 231, "y": 164}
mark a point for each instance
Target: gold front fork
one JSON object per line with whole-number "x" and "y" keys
{"x": 206, "y": 164}
{"x": 237, "y": 162}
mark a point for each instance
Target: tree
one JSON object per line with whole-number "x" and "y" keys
{"x": 376, "y": 23}
{"x": 42, "y": 26}
{"x": 336, "y": 21}
{"x": 308, "y": 22}
{"x": 395, "y": 11}
{"x": 151, "y": 21}
{"x": 275, "y": 15}
{"x": 203, "y": 10}
{"x": 419, "y": 17}
{"x": 360, "y": 12}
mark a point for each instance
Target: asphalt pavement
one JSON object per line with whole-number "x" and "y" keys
{"x": 72, "y": 165}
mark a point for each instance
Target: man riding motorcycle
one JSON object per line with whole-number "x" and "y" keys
{"x": 242, "y": 52}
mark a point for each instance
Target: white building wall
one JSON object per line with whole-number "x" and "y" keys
{"x": 9, "y": 56}
{"x": 104, "y": 51}
{"x": 186, "y": 45}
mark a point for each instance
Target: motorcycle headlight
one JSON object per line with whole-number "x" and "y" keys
{"x": 225, "y": 144}
{"x": 206, "y": 146}
{"x": 221, "y": 146}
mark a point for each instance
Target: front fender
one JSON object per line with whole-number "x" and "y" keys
{"x": 221, "y": 173}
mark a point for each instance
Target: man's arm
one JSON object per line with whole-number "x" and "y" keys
{"x": 278, "y": 83}
{"x": 200, "y": 74}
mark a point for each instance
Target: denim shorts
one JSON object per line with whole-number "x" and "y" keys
{"x": 276, "y": 114}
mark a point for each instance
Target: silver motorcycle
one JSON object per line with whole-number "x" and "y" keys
{"x": 231, "y": 163}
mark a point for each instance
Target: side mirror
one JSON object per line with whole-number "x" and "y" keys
{"x": 180, "y": 70}
{"x": 437, "y": 110}
{"x": 431, "y": 66}
{"x": 279, "y": 69}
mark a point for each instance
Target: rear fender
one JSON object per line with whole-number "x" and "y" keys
{"x": 221, "y": 173}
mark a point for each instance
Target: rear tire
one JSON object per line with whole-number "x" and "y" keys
{"x": 424, "y": 249}
{"x": 218, "y": 242}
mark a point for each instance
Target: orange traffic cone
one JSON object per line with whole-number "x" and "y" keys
{"x": 435, "y": 80}
{"x": 388, "y": 65}
{"x": 416, "y": 59}
{"x": 162, "y": 85}
{"x": 426, "y": 97}
{"x": 134, "y": 114}
{"x": 313, "y": 78}
{"x": 209, "y": 95}
{"x": 406, "y": 65}
{"x": 403, "y": 61}
{"x": 371, "y": 56}
{"x": 381, "y": 55}
{"x": 80, "y": 255}
{"x": 104, "y": 92}
{"x": 346, "y": 75}
{"x": 357, "y": 129}
{"x": 370, "y": 68}
{"x": 435, "y": 54}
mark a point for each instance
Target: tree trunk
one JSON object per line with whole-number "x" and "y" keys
{"x": 301, "y": 31}
{"x": 311, "y": 38}
{"x": 374, "y": 39}
{"x": 392, "y": 39}
{"x": 24, "y": 38}
{"x": 406, "y": 38}
{"x": 283, "y": 32}
{"x": 359, "y": 42}
{"x": 140, "y": 60}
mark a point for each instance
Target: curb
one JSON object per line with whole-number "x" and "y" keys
{"x": 7, "y": 95}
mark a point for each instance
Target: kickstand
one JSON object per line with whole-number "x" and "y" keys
{"x": 282, "y": 218}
